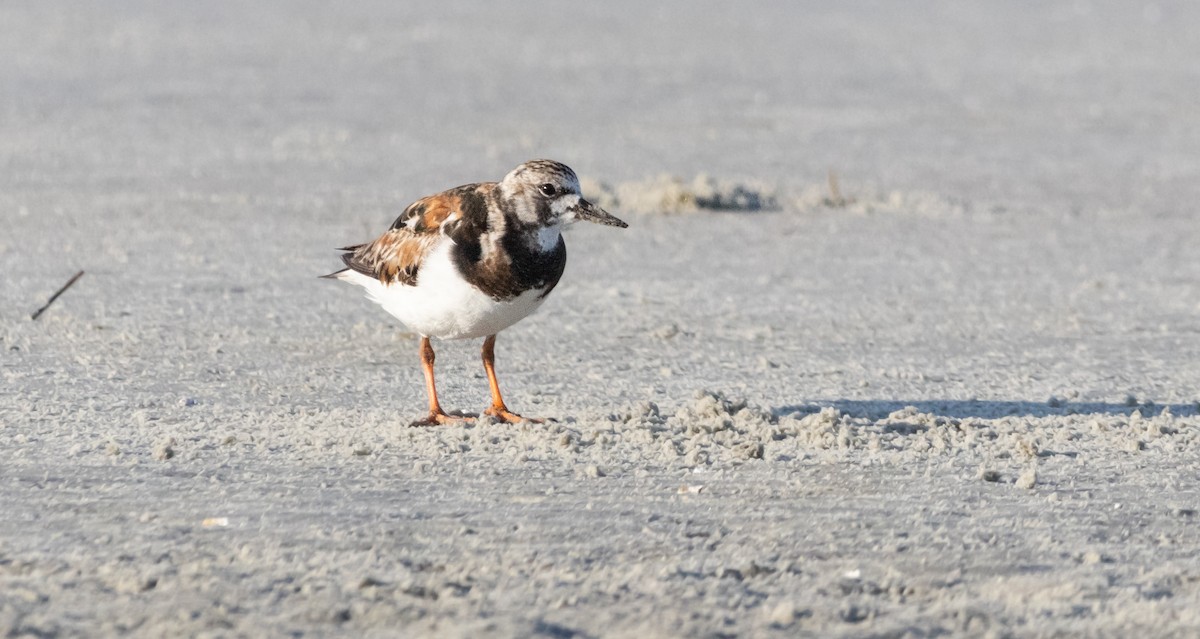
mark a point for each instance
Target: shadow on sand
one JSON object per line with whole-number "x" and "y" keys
{"x": 878, "y": 409}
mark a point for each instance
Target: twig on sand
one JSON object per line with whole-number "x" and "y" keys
{"x": 60, "y": 291}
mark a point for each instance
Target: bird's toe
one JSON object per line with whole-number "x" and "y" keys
{"x": 502, "y": 414}
{"x": 442, "y": 419}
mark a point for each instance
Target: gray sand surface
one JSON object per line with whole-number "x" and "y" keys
{"x": 961, "y": 399}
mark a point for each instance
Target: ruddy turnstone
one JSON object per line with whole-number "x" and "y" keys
{"x": 472, "y": 261}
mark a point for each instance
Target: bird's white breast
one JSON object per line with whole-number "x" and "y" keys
{"x": 443, "y": 304}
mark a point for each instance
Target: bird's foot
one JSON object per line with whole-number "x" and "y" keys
{"x": 443, "y": 419}
{"x": 502, "y": 414}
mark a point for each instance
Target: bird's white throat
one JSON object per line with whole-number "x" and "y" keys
{"x": 547, "y": 237}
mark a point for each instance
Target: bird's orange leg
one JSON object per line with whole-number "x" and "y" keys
{"x": 498, "y": 410}
{"x": 436, "y": 414}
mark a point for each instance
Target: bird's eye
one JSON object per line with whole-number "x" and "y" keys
{"x": 548, "y": 190}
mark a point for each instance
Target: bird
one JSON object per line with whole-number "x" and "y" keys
{"x": 471, "y": 261}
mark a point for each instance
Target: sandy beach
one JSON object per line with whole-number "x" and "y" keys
{"x": 903, "y": 339}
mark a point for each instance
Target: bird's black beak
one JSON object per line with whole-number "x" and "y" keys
{"x": 587, "y": 211}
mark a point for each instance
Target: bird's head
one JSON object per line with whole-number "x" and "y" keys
{"x": 546, "y": 193}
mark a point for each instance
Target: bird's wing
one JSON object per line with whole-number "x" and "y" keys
{"x": 396, "y": 256}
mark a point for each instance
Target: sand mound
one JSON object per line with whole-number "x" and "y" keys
{"x": 670, "y": 194}
{"x": 871, "y": 200}
{"x": 713, "y": 430}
